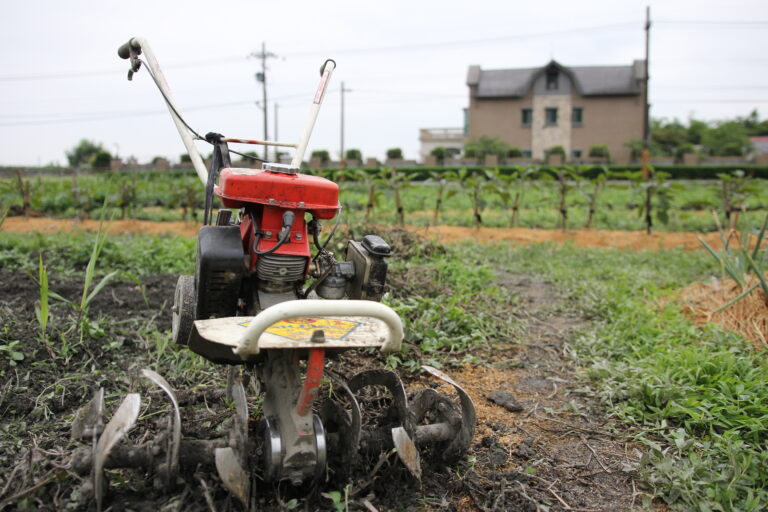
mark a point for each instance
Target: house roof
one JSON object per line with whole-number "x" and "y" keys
{"x": 589, "y": 80}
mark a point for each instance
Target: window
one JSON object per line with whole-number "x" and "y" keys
{"x": 527, "y": 153}
{"x": 527, "y": 117}
{"x": 578, "y": 116}
{"x": 552, "y": 79}
{"x": 576, "y": 153}
{"x": 550, "y": 116}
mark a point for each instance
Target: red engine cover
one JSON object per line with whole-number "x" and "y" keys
{"x": 239, "y": 187}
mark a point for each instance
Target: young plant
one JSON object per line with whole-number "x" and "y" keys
{"x": 42, "y": 311}
{"x": 597, "y": 183}
{"x": 738, "y": 262}
{"x": 474, "y": 183}
{"x": 441, "y": 179}
{"x": 24, "y": 189}
{"x": 399, "y": 182}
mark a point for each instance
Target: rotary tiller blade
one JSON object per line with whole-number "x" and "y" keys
{"x": 88, "y": 422}
{"x": 170, "y": 470}
{"x": 232, "y": 474}
{"x": 119, "y": 425}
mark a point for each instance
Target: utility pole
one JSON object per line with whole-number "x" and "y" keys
{"x": 646, "y": 155}
{"x": 343, "y": 161}
{"x": 262, "y": 77}
{"x": 276, "y": 137}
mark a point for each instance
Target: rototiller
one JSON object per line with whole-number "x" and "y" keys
{"x": 263, "y": 303}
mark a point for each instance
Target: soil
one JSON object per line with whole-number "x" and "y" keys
{"x": 547, "y": 446}
{"x": 444, "y": 234}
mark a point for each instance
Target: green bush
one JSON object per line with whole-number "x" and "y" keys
{"x": 394, "y": 154}
{"x": 556, "y": 150}
{"x": 514, "y": 152}
{"x": 324, "y": 156}
{"x": 599, "y": 151}
{"x": 101, "y": 160}
{"x": 353, "y": 154}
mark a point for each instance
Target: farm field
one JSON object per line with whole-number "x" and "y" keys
{"x": 486, "y": 199}
{"x": 617, "y": 400}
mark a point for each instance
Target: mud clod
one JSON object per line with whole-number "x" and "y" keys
{"x": 505, "y": 399}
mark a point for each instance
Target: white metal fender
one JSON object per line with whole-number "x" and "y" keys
{"x": 249, "y": 342}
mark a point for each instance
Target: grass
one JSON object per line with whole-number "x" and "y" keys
{"x": 698, "y": 397}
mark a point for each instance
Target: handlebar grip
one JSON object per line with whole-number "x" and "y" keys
{"x": 124, "y": 52}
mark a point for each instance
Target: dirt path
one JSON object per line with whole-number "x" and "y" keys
{"x": 446, "y": 234}
{"x": 549, "y": 443}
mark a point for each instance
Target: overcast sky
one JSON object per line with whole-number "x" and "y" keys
{"x": 405, "y": 63}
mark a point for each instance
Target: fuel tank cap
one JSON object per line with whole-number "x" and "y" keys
{"x": 280, "y": 168}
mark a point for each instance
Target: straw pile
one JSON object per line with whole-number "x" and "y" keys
{"x": 748, "y": 317}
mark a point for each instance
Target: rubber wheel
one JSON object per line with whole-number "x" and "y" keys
{"x": 183, "y": 311}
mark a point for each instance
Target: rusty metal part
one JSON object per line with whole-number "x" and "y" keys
{"x": 406, "y": 451}
{"x": 118, "y": 426}
{"x": 88, "y": 422}
{"x": 232, "y": 474}
{"x": 170, "y": 468}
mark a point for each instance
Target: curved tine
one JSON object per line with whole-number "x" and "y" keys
{"x": 406, "y": 451}
{"x": 392, "y": 382}
{"x": 89, "y": 419}
{"x": 232, "y": 474}
{"x": 173, "y": 453}
{"x": 461, "y": 442}
{"x": 352, "y": 437}
{"x": 241, "y": 418}
{"x": 125, "y": 417}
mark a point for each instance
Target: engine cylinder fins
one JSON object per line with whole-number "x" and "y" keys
{"x": 284, "y": 268}
{"x": 183, "y": 310}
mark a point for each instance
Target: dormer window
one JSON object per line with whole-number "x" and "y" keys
{"x": 552, "y": 79}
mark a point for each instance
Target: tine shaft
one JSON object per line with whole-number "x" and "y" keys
{"x": 463, "y": 439}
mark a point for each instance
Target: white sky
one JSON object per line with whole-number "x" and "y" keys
{"x": 404, "y": 61}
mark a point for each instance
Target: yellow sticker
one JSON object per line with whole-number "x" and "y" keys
{"x": 301, "y": 329}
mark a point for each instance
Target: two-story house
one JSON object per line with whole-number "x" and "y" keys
{"x": 576, "y": 107}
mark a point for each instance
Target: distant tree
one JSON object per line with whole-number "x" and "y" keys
{"x": 439, "y": 154}
{"x": 185, "y": 158}
{"x": 668, "y": 135}
{"x": 696, "y": 131}
{"x": 83, "y": 153}
{"x": 514, "y": 152}
{"x": 324, "y": 156}
{"x": 394, "y": 154}
{"x": 728, "y": 138}
{"x": 101, "y": 160}
{"x": 479, "y": 148}
{"x": 353, "y": 154}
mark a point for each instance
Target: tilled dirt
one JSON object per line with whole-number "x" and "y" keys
{"x": 545, "y": 446}
{"x": 445, "y": 234}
